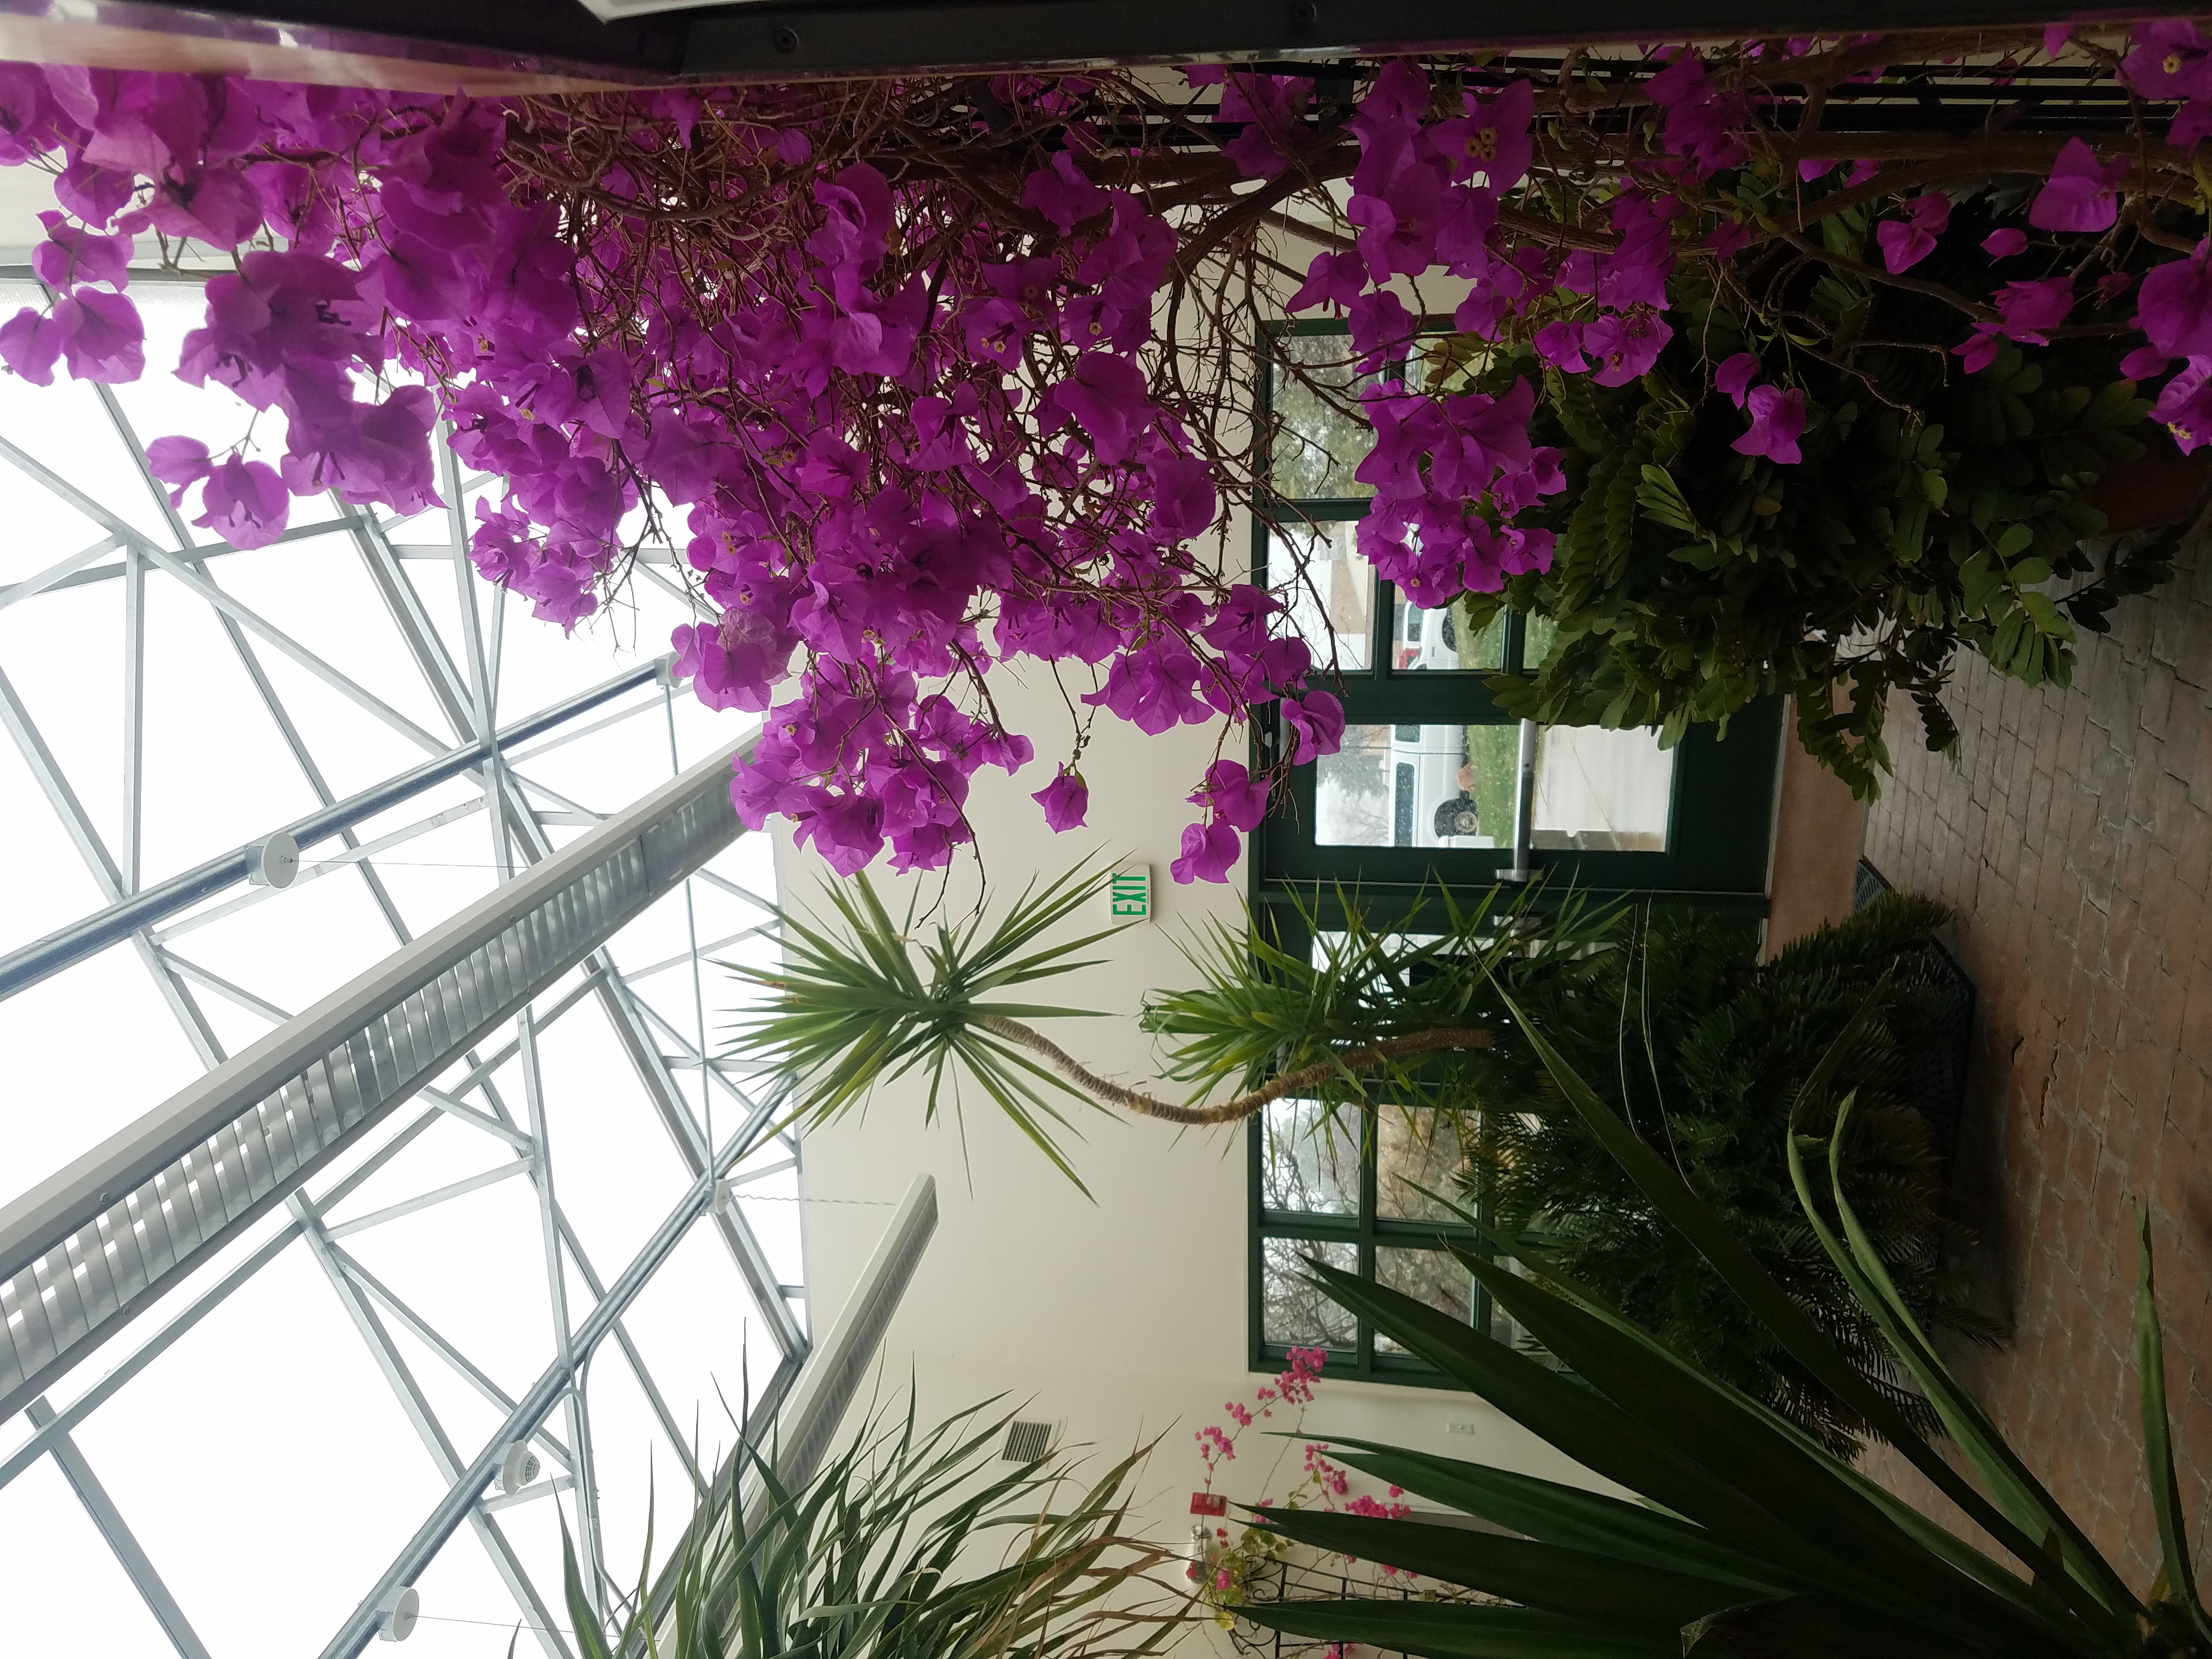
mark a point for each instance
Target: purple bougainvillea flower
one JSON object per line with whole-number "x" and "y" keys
{"x": 1777, "y": 419}
{"x": 1560, "y": 345}
{"x": 1491, "y": 138}
{"x": 1335, "y": 279}
{"x": 1978, "y": 349}
{"x": 2027, "y": 309}
{"x": 1906, "y": 242}
{"x": 2079, "y": 194}
{"x": 2145, "y": 363}
{"x": 1626, "y": 347}
{"x": 183, "y": 462}
{"x": 2174, "y": 306}
{"x": 1065, "y": 800}
{"x": 30, "y": 344}
{"x": 2055, "y": 37}
{"x": 1209, "y": 851}
{"x": 1270, "y": 106}
{"x": 245, "y": 502}
{"x": 1729, "y": 238}
{"x": 1235, "y": 796}
{"x": 1107, "y": 397}
{"x": 72, "y": 254}
{"x": 1814, "y": 167}
{"x": 2185, "y": 408}
{"x": 2170, "y": 59}
{"x": 2191, "y": 125}
{"x": 1733, "y": 377}
{"x": 2004, "y": 244}
{"x": 101, "y": 336}
{"x": 1062, "y": 194}
{"x": 1183, "y": 497}
{"x": 1314, "y": 725}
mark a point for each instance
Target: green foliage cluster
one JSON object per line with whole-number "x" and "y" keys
{"x": 884, "y": 1554}
{"x": 1706, "y": 1055}
{"x": 1932, "y": 509}
{"x": 1750, "y": 1540}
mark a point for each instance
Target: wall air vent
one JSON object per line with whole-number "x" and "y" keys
{"x": 1026, "y": 1443}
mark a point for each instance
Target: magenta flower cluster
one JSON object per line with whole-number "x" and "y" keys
{"x": 875, "y": 500}
{"x": 898, "y": 471}
{"x": 1292, "y": 1387}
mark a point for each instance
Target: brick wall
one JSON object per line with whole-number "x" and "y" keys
{"x": 2074, "y": 840}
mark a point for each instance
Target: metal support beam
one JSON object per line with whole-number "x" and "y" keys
{"x": 96, "y": 1244}
{"x": 104, "y": 1516}
{"x": 417, "y": 1406}
{"x": 544, "y": 1395}
{"x": 80, "y": 940}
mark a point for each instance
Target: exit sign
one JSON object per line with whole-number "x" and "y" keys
{"x": 1129, "y": 894}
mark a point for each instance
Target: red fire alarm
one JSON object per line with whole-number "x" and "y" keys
{"x": 1208, "y": 1503}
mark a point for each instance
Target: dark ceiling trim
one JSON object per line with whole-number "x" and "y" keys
{"x": 546, "y": 39}
{"x": 789, "y": 41}
{"x": 794, "y": 39}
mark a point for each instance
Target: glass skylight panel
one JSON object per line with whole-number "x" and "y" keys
{"x": 278, "y": 1404}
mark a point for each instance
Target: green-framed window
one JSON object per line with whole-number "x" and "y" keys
{"x": 1423, "y": 793}
{"x": 1353, "y": 1193}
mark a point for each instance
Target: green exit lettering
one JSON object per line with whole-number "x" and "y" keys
{"x": 1132, "y": 897}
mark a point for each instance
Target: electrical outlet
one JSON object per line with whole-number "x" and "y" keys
{"x": 1462, "y": 1428}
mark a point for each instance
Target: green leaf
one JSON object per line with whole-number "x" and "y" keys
{"x": 2030, "y": 1514}
{"x": 1732, "y": 1260}
{"x": 1766, "y": 1459}
{"x": 1618, "y": 1596}
{"x": 1575, "y": 1419}
{"x": 1569, "y": 1516}
{"x": 2176, "y": 1567}
{"x": 1820, "y": 1627}
{"x": 1663, "y": 503}
{"x": 2015, "y": 540}
{"x": 2045, "y": 615}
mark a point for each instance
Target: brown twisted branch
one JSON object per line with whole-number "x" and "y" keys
{"x": 1236, "y": 1110}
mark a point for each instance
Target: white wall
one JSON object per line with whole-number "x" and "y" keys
{"x": 1125, "y": 1317}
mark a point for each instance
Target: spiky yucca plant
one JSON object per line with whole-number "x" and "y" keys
{"x": 1752, "y": 1540}
{"x": 911, "y": 1543}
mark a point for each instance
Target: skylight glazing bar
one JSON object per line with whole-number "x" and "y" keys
{"x": 57, "y": 951}
{"x": 98, "y": 1242}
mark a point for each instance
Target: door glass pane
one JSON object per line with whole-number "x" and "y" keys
{"x": 1602, "y": 792}
{"x": 1536, "y": 642}
{"x": 1322, "y": 440}
{"x": 1434, "y": 1277}
{"x": 1441, "y": 640}
{"x": 1331, "y": 600}
{"x": 1415, "y": 1151}
{"x": 1310, "y": 1159}
{"x": 1415, "y": 785}
{"x": 1292, "y": 1310}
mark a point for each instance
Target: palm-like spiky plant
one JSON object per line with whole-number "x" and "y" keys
{"x": 905, "y": 1546}
{"x": 844, "y": 1013}
{"x": 1753, "y": 1540}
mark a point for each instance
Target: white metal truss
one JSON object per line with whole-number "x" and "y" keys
{"x": 472, "y": 755}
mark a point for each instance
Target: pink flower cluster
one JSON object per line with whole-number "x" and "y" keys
{"x": 886, "y": 497}
{"x": 906, "y": 454}
{"x": 1294, "y": 1386}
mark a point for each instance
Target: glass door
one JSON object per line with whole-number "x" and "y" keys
{"x": 1429, "y": 784}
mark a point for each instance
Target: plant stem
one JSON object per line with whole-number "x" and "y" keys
{"x": 1234, "y": 1110}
